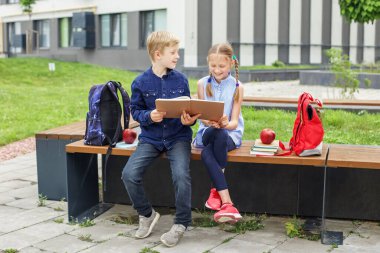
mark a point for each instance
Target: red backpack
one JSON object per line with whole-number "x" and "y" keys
{"x": 308, "y": 130}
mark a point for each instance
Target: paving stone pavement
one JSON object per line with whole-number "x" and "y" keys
{"x": 27, "y": 227}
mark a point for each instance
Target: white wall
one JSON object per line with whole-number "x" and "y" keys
{"x": 353, "y": 42}
{"x": 246, "y": 32}
{"x": 1, "y": 38}
{"x": 316, "y": 31}
{"x": 271, "y": 31}
{"x": 369, "y": 43}
{"x": 295, "y": 31}
{"x": 336, "y": 25}
{"x": 191, "y": 27}
{"x": 219, "y": 21}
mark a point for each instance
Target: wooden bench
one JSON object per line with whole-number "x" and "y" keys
{"x": 273, "y": 185}
{"x": 51, "y": 157}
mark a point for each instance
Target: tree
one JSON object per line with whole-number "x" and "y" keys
{"x": 361, "y": 11}
{"x": 26, "y": 6}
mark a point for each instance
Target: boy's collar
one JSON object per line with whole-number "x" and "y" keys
{"x": 168, "y": 72}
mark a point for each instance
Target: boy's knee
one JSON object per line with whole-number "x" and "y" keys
{"x": 127, "y": 174}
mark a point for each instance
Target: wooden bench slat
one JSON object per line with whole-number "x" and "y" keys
{"x": 239, "y": 155}
{"x": 352, "y": 156}
{"x": 73, "y": 131}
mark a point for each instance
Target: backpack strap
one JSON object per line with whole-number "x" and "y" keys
{"x": 126, "y": 104}
{"x": 114, "y": 86}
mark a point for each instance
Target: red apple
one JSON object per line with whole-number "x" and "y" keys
{"x": 267, "y": 135}
{"x": 129, "y": 136}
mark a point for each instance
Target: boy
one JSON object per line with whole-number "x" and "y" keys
{"x": 158, "y": 135}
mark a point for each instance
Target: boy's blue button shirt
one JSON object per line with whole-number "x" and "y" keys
{"x": 146, "y": 88}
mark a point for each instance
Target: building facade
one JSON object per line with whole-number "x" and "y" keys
{"x": 113, "y": 33}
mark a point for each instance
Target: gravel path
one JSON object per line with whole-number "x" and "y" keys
{"x": 17, "y": 148}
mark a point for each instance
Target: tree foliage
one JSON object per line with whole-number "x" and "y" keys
{"x": 26, "y": 5}
{"x": 361, "y": 11}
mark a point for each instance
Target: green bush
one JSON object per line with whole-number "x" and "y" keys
{"x": 362, "y": 11}
{"x": 278, "y": 64}
{"x": 345, "y": 77}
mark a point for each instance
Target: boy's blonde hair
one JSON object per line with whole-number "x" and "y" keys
{"x": 159, "y": 40}
{"x": 227, "y": 50}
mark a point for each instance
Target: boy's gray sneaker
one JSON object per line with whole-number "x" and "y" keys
{"x": 146, "y": 225}
{"x": 172, "y": 237}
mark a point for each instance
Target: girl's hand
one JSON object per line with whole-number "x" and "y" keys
{"x": 187, "y": 120}
{"x": 210, "y": 123}
{"x": 223, "y": 121}
{"x": 157, "y": 116}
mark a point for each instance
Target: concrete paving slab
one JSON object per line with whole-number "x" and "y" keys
{"x": 28, "y": 218}
{"x": 296, "y": 245}
{"x": 33, "y": 250}
{"x": 4, "y": 189}
{"x": 30, "y": 191}
{"x": 16, "y": 184}
{"x": 120, "y": 244}
{"x": 8, "y": 211}
{"x": 34, "y": 234}
{"x": 23, "y": 203}
{"x": 198, "y": 240}
{"x": 102, "y": 231}
{"x": 10, "y": 175}
{"x": 242, "y": 246}
{"x": 64, "y": 243}
{"x": 5, "y": 199}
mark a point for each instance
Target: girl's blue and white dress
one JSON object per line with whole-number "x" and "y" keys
{"x": 223, "y": 91}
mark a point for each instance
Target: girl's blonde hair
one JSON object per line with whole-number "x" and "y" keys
{"x": 159, "y": 40}
{"x": 224, "y": 49}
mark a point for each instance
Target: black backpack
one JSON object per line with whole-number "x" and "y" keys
{"x": 103, "y": 121}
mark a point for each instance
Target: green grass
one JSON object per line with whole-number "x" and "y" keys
{"x": 34, "y": 99}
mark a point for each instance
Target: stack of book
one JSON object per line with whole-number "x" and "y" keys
{"x": 260, "y": 148}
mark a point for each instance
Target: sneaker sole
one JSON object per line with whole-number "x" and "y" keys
{"x": 151, "y": 227}
{"x": 228, "y": 217}
{"x": 209, "y": 207}
{"x": 166, "y": 243}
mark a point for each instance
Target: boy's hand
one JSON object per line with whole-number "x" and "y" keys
{"x": 157, "y": 116}
{"x": 187, "y": 120}
{"x": 223, "y": 121}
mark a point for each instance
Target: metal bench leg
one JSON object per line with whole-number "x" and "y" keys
{"x": 82, "y": 187}
{"x": 328, "y": 237}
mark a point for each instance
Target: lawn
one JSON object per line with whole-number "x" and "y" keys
{"x": 34, "y": 99}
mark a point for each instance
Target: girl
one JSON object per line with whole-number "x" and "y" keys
{"x": 220, "y": 137}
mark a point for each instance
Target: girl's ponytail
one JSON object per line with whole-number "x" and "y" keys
{"x": 208, "y": 87}
{"x": 236, "y": 94}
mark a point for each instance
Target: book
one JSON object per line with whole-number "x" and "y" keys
{"x": 122, "y": 144}
{"x": 259, "y": 144}
{"x": 209, "y": 110}
{"x": 262, "y": 153}
{"x": 259, "y": 148}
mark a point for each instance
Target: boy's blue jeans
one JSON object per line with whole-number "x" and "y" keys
{"x": 134, "y": 170}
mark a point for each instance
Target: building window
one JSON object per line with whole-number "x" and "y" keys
{"x": 114, "y": 32}
{"x": 14, "y": 30}
{"x": 151, "y": 21}
{"x": 65, "y": 32}
{"x": 43, "y": 29}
